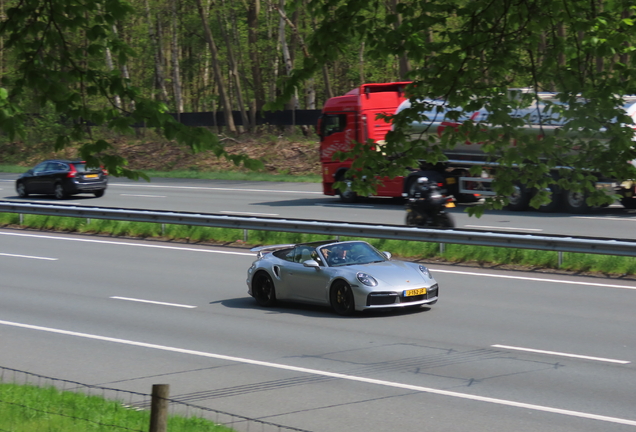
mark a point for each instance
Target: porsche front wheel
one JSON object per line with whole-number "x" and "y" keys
{"x": 341, "y": 298}
{"x": 263, "y": 289}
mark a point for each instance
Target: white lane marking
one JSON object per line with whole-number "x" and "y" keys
{"x": 612, "y": 218}
{"x": 152, "y": 302}
{"x": 410, "y": 387}
{"x": 561, "y": 354}
{"x": 127, "y": 244}
{"x": 144, "y": 196}
{"x": 535, "y": 279}
{"x": 28, "y": 256}
{"x": 52, "y": 202}
{"x": 502, "y": 228}
{"x": 214, "y": 188}
{"x": 248, "y": 213}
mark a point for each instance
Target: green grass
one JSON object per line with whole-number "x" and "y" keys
{"x": 206, "y": 175}
{"x": 27, "y": 408}
{"x": 13, "y": 169}
{"x": 611, "y": 265}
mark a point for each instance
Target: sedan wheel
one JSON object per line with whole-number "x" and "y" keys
{"x": 99, "y": 193}
{"x": 21, "y": 189}
{"x": 263, "y": 289}
{"x": 59, "y": 191}
{"x": 341, "y": 298}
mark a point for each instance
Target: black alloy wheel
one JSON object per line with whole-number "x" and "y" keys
{"x": 59, "y": 191}
{"x": 99, "y": 193}
{"x": 21, "y": 190}
{"x": 264, "y": 290}
{"x": 341, "y": 298}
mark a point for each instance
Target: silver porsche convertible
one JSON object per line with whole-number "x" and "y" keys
{"x": 348, "y": 276}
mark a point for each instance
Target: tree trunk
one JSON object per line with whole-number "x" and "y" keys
{"x": 159, "y": 80}
{"x": 404, "y": 64}
{"x": 124, "y": 69}
{"x": 176, "y": 73}
{"x": 234, "y": 72}
{"x": 109, "y": 65}
{"x": 225, "y": 103}
{"x": 253, "y": 12}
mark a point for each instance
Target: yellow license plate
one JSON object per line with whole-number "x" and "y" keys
{"x": 450, "y": 205}
{"x": 415, "y": 292}
{"x": 450, "y": 180}
{"x": 90, "y": 176}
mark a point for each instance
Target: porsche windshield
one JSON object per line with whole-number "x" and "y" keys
{"x": 340, "y": 254}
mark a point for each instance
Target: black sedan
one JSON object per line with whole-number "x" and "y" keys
{"x": 62, "y": 178}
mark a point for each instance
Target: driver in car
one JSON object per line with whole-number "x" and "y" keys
{"x": 335, "y": 255}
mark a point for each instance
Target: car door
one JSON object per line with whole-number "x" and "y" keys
{"x": 305, "y": 283}
{"x": 55, "y": 171}
{"x": 36, "y": 182}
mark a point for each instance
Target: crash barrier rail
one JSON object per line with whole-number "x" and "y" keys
{"x": 558, "y": 243}
{"x": 76, "y": 416}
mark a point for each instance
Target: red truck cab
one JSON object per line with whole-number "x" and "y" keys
{"x": 352, "y": 118}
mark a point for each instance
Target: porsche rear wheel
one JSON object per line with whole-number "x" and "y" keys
{"x": 341, "y": 298}
{"x": 263, "y": 289}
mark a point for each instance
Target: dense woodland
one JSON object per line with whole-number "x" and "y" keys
{"x": 207, "y": 55}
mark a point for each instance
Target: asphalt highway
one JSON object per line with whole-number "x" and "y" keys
{"x": 306, "y": 201}
{"x": 500, "y": 351}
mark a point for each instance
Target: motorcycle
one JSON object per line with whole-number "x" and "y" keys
{"x": 426, "y": 205}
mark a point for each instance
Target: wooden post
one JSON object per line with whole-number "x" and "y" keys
{"x": 159, "y": 408}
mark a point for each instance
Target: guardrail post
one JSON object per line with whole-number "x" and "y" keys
{"x": 442, "y": 248}
{"x": 560, "y": 263}
{"x": 244, "y": 236}
{"x": 159, "y": 408}
{"x": 163, "y": 229}
{"x": 21, "y": 218}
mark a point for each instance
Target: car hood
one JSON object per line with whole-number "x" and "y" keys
{"x": 394, "y": 273}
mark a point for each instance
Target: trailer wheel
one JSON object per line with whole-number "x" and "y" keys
{"x": 520, "y": 198}
{"x": 575, "y": 202}
{"x": 555, "y": 196}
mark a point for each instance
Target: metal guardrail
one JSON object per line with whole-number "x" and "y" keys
{"x": 556, "y": 243}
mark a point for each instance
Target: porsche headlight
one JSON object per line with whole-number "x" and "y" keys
{"x": 366, "y": 279}
{"x": 426, "y": 272}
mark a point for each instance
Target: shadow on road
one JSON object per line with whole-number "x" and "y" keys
{"x": 315, "y": 311}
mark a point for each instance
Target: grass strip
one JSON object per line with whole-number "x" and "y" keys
{"x": 27, "y": 408}
{"x": 454, "y": 253}
{"x": 207, "y": 175}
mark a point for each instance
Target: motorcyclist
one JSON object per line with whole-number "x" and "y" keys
{"x": 426, "y": 204}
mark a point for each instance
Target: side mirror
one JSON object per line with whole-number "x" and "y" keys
{"x": 311, "y": 263}
{"x": 387, "y": 254}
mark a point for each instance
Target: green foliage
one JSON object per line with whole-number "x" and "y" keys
{"x": 468, "y": 54}
{"x": 58, "y": 50}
